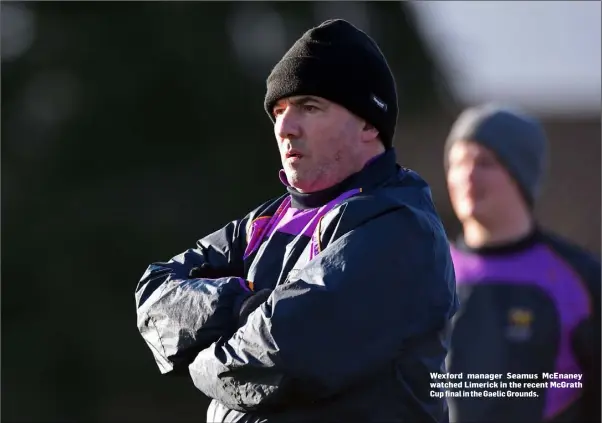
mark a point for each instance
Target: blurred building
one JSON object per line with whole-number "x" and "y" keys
{"x": 543, "y": 57}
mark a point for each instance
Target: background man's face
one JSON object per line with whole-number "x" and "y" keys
{"x": 479, "y": 186}
{"x": 319, "y": 141}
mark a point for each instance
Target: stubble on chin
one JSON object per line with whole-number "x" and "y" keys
{"x": 296, "y": 178}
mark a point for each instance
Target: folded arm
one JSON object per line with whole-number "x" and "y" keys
{"x": 346, "y": 314}
{"x": 177, "y": 315}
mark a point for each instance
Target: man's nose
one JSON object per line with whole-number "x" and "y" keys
{"x": 288, "y": 125}
{"x": 471, "y": 175}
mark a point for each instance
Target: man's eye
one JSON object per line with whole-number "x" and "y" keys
{"x": 485, "y": 163}
{"x": 278, "y": 111}
{"x": 309, "y": 108}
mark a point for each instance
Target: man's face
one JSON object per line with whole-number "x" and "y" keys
{"x": 319, "y": 141}
{"x": 480, "y": 188}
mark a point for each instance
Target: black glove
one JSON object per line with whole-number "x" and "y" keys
{"x": 206, "y": 271}
{"x": 251, "y": 303}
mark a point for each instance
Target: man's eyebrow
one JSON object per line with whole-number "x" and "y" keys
{"x": 305, "y": 99}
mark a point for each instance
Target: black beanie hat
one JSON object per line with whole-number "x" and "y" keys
{"x": 340, "y": 63}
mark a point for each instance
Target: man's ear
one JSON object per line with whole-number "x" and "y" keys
{"x": 369, "y": 132}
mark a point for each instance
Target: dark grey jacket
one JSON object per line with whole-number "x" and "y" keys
{"x": 363, "y": 291}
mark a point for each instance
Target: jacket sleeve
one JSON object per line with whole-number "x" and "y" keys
{"x": 178, "y": 316}
{"x": 346, "y": 314}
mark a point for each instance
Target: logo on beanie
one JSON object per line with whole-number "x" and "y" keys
{"x": 381, "y": 104}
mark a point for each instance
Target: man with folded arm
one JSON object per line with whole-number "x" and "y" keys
{"x": 331, "y": 302}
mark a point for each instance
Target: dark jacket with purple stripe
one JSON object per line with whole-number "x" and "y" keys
{"x": 532, "y": 307}
{"x": 363, "y": 292}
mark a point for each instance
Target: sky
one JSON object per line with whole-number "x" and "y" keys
{"x": 542, "y": 56}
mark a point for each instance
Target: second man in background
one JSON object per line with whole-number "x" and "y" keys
{"x": 530, "y": 300}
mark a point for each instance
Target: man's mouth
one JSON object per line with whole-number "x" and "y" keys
{"x": 293, "y": 154}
